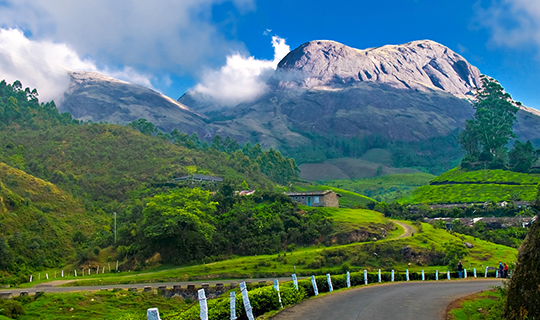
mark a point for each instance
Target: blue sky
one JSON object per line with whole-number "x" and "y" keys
{"x": 174, "y": 46}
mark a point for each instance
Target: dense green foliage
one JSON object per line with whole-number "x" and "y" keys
{"x": 523, "y": 300}
{"x": 487, "y": 305}
{"x": 385, "y": 188}
{"x": 187, "y": 225}
{"x": 486, "y": 136}
{"x": 458, "y": 175}
{"x": 434, "y": 155}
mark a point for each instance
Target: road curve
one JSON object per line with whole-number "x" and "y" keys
{"x": 398, "y": 301}
{"x": 408, "y": 229}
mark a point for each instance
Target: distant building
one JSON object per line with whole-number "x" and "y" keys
{"x": 199, "y": 178}
{"x": 327, "y": 198}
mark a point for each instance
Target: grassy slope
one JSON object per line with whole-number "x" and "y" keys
{"x": 384, "y": 188}
{"x": 349, "y": 199}
{"x": 38, "y": 219}
{"x": 458, "y": 186}
{"x": 478, "y": 305}
{"x": 347, "y": 220}
{"x": 483, "y": 254}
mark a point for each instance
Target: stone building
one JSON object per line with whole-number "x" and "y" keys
{"x": 327, "y": 198}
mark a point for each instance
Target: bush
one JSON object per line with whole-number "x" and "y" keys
{"x": 11, "y": 308}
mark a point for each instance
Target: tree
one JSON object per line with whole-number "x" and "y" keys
{"x": 178, "y": 224}
{"x": 486, "y": 135}
{"x": 521, "y": 158}
{"x": 144, "y": 126}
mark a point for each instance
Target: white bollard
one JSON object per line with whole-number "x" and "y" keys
{"x": 295, "y": 281}
{"x": 276, "y": 287}
{"x": 203, "y": 304}
{"x": 348, "y": 280}
{"x": 448, "y": 274}
{"x": 329, "y": 280}
{"x": 88, "y": 271}
{"x": 30, "y": 278}
{"x": 245, "y": 297}
{"x": 474, "y": 270}
{"x": 62, "y": 273}
{"x": 47, "y": 275}
{"x": 314, "y": 283}
{"x": 465, "y": 273}
{"x": 437, "y": 275}
{"x": 103, "y": 271}
{"x": 116, "y": 265}
{"x": 365, "y": 277}
{"x": 485, "y": 276}
{"x": 407, "y": 274}
{"x": 152, "y": 314}
{"x": 380, "y": 275}
{"x": 423, "y": 276}
{"x": 392, "y": 275}
{"x": 496, "y": 274}
{"x": 233, "y": 305}
{"x": 75, "y": 273}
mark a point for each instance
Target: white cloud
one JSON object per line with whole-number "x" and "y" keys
{"x": 166, "y": 36}
{"x": 44, "y": 65}
{"x": 242, "y": 78}
{"x": 512, "y": 22}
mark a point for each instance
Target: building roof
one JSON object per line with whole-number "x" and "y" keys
{"x": 313, "y": 193}
{"x": 199, "y": 177}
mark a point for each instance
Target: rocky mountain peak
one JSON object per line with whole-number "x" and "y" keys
{"x": 419, "y": 65}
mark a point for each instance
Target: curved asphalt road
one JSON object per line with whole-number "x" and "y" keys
{"x": 398, "y": 301}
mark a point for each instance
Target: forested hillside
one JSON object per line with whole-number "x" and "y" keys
{"x": 87, "y": 171}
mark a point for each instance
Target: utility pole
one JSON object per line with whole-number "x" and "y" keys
{"x": 115, "y": 227}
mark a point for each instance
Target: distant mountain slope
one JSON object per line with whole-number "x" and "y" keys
{"x": 96, "y": 97}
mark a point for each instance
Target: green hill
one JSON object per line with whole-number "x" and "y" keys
{"x": 38, "y": 222}
{"x": 460, "y": 186}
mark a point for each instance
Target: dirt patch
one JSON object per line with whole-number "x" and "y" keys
{"x": 456, "y": 304}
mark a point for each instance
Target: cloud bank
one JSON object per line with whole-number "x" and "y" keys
{"x": 166, "y": 36}
{"x": 241, "y": 78}
{"x": 512, "y": 22}
{"x": 44, "y": 65}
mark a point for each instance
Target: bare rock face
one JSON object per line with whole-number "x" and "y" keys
{"x": 96, "y": 97}
{"x": 419, "y": 65}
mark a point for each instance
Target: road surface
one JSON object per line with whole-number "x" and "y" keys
{"x": 408, "y": 229}
{"x": 397, "y": 301}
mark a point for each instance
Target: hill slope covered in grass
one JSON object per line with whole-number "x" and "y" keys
{"x": 38, "y": 222}
{"x": 348, "y": 198}
{"x": 460, "y": 186}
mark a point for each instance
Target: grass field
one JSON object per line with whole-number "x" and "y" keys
{"x": 322, "y": 260}
{"x": 384, "y": 188}
{"x": 484, "y": 305}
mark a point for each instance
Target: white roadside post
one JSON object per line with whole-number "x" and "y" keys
{"x": 97, "y": 269}
{"x": 392, "y": 275}
{"x": 103, "y": 271}
{"x": 233, "y": 305}
{"x": 465, "y": 273}
{"x": 448, "y": 274}
{"x": 365, "y": 276}
{"x": 245, "y": 297}
{"x": 30, "y": 278}
{"x": 75, "y": 273}
{"x": 88, "y": 271}
{"x": 380, "y": 275}
{"x": 203, "y": 304}
{"x": 329, "y": 280}
{"x": 496, "y": 274}
{"x": 474, "y": 270}
{"x": 116, "y": 265}
{"x": 152, "y": 314}
{"x": 486, "y": 272}
{"x": 407, "y": 274}
{"x": 314, "y": 283}
{"x": 47, "y": 275}
{"x": 348, "y": 279}
{"x": 62, "y": 273}
{"x": 276, "y": 287}
{"x": 436, "y": 275}
{"x": 423, "y": 276}
{"x": 295, "y": 280}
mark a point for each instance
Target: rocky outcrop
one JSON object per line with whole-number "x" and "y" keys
{"x": 96, "y": 97}
{"x": 419, "y": 65}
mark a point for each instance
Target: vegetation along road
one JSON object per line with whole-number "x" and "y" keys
{"x": 397, "y": 301}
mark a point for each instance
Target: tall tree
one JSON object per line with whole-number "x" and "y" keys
{"x": 491, "y": 125}
{"x": 521, "y": 158}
